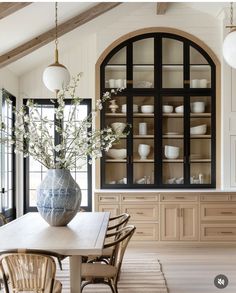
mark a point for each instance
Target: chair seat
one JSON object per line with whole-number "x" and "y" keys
{"x": 96, "y": 270}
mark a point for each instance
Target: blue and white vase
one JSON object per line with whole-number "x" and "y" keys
{"x": 58, "y": 197}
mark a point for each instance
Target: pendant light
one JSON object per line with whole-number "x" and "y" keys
{"x": 229, "y": 45}
{"x": 56, "y": 75}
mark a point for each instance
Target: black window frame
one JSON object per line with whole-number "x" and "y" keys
{"x": 10, "y": 214}
{"x": 27, "y": 207}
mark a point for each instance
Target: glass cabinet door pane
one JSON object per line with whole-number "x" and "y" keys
{"x": 200, "y": 70}
{"x": 115, "y": 76}
{"x": 143, "y": 139}
{"x": 173, "y": 139}
{"x": 115, "y": 70}
{"x": 143, "y": 51}
{"x": 172, "y": 63}
{"x": 119, "y": 57}
{"x": 143, "y": 63}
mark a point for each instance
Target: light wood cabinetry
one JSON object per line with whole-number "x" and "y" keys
{"x": 179, "y": 222}
{"x": 218, "y": 217}
{"x": 175, "y": 216}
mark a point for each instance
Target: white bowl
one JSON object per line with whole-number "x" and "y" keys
{"x": 171, "y": 152}
{"x": 147, "y": 109}
{"x": 200, "y": 129}
{"x": 118, "y": 127}
{"x": 124, "y": 110}
{"x": 197, "y": 107}
{"x": 167, "y": 108}
{"x": 179, "y": 109}
{"x": 117, "y": 153}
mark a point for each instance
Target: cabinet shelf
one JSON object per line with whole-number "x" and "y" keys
{"x": 172, "y": 160}
{"x": 143, "y": 161}
{"x": 178, "y": 136}
{"x": 137, "y": 115}
{"x": 115, "y": 161}
{"x": 143, "y": 136}
{"x": 200, "y": 161}
{"x": 173, "y": 115}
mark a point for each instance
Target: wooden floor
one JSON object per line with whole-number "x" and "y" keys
{"x": 193, "y": 269}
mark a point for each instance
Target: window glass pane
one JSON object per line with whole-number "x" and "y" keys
{"x": 37, "y": 171}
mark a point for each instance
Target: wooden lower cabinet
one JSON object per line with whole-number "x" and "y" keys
{"x": 179, "y": 222}
{"x": 178, "y": 216}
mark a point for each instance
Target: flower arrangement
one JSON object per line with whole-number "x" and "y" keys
{"x": 78, "y": 140}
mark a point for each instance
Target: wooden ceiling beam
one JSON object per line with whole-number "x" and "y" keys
{"x": 7, "y": 8}
{"x": 49, "y": 36}
{"x": 162, "y": 8}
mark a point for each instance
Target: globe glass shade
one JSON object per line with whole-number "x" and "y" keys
{"x": 55, "y": 77}
{"x": 229, "y": 49}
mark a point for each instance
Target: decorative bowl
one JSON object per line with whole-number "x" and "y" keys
{"x": 118, "y": 127}
{"x": 179, "y": 109}
{"x": 200, "y": 129}
{"x": 171, "y": 152}
{"x": 197, "y": 107}
{"x": 117, "y": 153}
{"x": 167, "y": 109}
{"x": 147, "y": 109}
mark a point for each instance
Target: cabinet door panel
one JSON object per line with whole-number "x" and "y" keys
{"x": 189, "y": 222}
{"x": 169, "y": 222}
{"x": 218, "y": 232}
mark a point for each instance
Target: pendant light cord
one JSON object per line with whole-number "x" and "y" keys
{"x": 231, "y": 14}
{"x": 56, "y": 34}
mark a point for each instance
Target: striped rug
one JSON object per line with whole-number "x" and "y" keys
{"x": 141, "y": 273}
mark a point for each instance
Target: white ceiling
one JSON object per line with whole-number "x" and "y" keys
{"x": 38, "y": 17}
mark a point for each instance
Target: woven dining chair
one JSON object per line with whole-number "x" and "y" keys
{"x": 3, "y": 220}
{"x": 29, "y": 271}
{"x": 98, "y": 272}
{"x": 118, "y": 222}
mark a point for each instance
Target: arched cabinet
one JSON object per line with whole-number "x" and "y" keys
{"x": 169, "y": 99}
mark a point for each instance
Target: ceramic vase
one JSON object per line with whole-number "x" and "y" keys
{"x": 58, "y": 197}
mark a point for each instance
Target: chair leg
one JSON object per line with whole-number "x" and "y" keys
{"x": 113, "y": 287}
{"x": 60, "y": 263}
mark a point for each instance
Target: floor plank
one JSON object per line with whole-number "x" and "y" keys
{"x": 193, "y": 269}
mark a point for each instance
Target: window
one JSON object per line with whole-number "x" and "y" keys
{"x": 35, "y": 172}
{"x": 7, "y": 158}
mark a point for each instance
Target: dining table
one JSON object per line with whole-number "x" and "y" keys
{"x": 84, "y": 235}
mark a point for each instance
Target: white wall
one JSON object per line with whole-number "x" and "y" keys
{"x": 9, "y": 81}
{"x": 98, "y": 34}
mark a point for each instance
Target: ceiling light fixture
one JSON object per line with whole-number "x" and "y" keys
{"x": 56, "y": 75}
{"x": 229, "y": 45}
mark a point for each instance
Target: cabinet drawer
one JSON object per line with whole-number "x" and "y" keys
{"x": 146, "y": 232}
{"x": 113, "y": 209}
{"x": 141, "y": 213}
{"x": 232, "y": 197}
{"x": 214, "y": 212}
{"x": 214, "y": 197}
{"x": 139, "y": 198}
{"x": 107, "y": 198}
{"x": 179, "y": 197}
{"x": 218, "y": 232}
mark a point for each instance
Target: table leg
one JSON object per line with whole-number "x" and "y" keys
{"x": 75, "y": 273}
